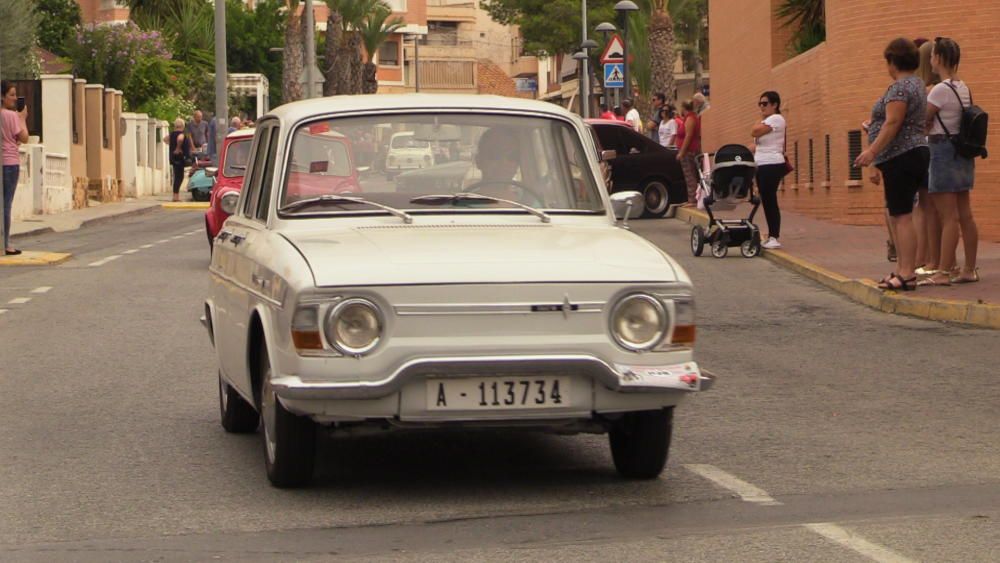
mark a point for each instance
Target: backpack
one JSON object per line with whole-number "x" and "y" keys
{"x": 970, "y": 141}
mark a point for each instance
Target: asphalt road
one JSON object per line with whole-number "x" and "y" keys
{"x": 835, "y": 433}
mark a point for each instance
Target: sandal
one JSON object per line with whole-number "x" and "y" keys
{"x": 921, "y": 271}
{"x": 890, "y": 251}
{"x": 930, "y": 281}
{"x": 15, "y": 252}
{"x": 961, "y": 278}
{"x": 895, "y": 282}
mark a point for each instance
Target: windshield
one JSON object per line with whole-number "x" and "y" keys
{"x": 514, "y": 161}
{"x": 237, "y": 155}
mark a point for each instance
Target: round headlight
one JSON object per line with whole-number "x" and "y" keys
{"x": 639, "y": 322}
{"x": 228, "y": 202}
{"x": 354, "y": 326}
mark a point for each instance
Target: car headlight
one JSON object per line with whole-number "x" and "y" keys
{"x": 228, "y": 202}
{"x": 639, "y": 322}
{"x": 354, "y": 326}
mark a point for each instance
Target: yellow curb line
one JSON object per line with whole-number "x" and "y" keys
{"x": 185, "y": 205}
{"x": 867, "y": 292}
{"x": 30, "y": 258}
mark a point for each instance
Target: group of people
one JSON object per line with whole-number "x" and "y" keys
{"x": 192, "y": 138}
{"x": 911, "y": 134}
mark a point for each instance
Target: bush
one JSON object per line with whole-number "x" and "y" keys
{"x": 110, "y": 54}
{"x": 167, "y": 107}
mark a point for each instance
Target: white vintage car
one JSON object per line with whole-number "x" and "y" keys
{"x": 514, "y": 300}
{"x": 407, "y": 152}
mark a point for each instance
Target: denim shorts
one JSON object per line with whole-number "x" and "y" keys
{"x": 949, "y": 172}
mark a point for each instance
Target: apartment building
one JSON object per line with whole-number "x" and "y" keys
{"x": 103, "y": 11}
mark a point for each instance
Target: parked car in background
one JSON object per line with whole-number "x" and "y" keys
{"x": 643, "y": 165}
{"x": 228, "y": 180}
{"x": 510, "y": 301}
{"x": 407, "y": 153}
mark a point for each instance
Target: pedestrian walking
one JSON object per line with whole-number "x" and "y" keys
{"x": 769, "y": 153}
{"x": 14, "y": 123}
{"x": 632, "y": 117}
{"x": 234, "y": 124}
{"x": 667, "y": 131}
{"x": 898, "y": 148}
{"x": 688, "y": 138}
{"x": 951, "y": 174}
{"x": 181, "y": 154}
{"x": 653, "y": 126}
{"x": 197, "y": 131}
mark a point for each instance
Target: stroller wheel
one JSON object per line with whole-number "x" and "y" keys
{"x": 750, "y": 248}
{"x": 697, "y": 240}
{"x": 719, "y": 248}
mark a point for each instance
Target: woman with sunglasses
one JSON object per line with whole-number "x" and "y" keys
{"x": 769, "y": 154}
{"x": 898, "y": 148}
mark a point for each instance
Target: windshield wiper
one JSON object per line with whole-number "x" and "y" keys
{"x": 328, "y": 198}
{"x": 444, "y": 199}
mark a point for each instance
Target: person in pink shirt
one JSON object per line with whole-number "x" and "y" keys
{"x": 14, "y": 129}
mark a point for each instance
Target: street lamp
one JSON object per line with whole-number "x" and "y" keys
{"x": 581, "y": 59}
{"x": 623, "y": 8}
{"x": 606, "y": 28}
{"x": 586, "y": 46}
{"x": 416, "y": 61}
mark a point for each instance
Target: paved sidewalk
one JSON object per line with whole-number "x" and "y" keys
{"x": 849, "y": 258}
{"x": 76, "y": 218}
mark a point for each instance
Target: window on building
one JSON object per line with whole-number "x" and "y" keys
{"x": 388, "y": 53}
{"x": 440, "y": 33}
{"x": 853, "y": 151}
{"x": 828, "y": 159}
{"x": 795, "y": 156}
{"x": 812, "y": 176}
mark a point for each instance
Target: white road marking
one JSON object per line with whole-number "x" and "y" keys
{"x": 161, "y": 241}
{"x": 857, "y": 543}
{"x": 194, "y": 232}
{"x": 42, "y": 289}
{"x": 746, "y": 491}
{"x": 131, "y": 251}
{"x": 19, "y": 301}
{"x": 146, "y": 246}
{"x": 176, "y": 237}
{"x": 104, "y": 261}
{"x": 2, "y": 311}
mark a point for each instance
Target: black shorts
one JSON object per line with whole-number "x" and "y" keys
{"x": 902, "y": 176}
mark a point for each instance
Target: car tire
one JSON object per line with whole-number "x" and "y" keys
{"x": 238, "y": 416}
{"x": 289, "y": 440}
{"x": 655, "y": 199}
{"x": 640, "y": 442}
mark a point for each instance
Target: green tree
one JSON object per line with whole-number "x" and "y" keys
{"x": 549, "y": 27}
{"x": 808, "y": 19}
{"x": 662, "y": 50}
{"x": 374, "y": 30}
{"x": 20, "y": 32}
{"x": 58, "y": 25}
{"x": 188, "y": 25}
{"x": 250, "y": 36}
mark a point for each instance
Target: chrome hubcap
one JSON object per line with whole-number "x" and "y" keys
{"x": 656, "y": 197}
{"x": 267, "y": 406}
{"x": 223, "y": 395}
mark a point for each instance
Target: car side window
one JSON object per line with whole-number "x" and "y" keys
{"x": 633, "y": 143}
{"x": 251, "y": 185}
{"x": 267, "y": 176}
{"x": 609, "y": 138}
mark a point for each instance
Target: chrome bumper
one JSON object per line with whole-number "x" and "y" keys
{"x": 684, "y": 377}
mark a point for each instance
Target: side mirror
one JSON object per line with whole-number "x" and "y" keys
{"x": 626, "y": 205}
{"x": 608, "y": 155}
{"x": 211, "y": 171}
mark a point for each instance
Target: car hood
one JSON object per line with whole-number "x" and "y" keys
{"x": 489, "y": 253}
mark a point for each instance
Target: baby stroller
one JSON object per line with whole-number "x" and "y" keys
{"x": 729, "y": 182}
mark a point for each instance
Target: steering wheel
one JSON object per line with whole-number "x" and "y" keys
{"x": 483, "y": 183}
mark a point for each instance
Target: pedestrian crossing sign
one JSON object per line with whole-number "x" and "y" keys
{"x": 614, "y": 75}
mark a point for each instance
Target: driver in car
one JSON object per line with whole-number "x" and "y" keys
{"x": 499, "y": 164}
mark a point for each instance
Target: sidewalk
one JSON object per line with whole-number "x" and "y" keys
{"x": 849, "y": 258}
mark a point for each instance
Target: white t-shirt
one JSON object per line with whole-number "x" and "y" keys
{"x": 949, "y": 109}
{"x": 633, "y": 119}
{"x": 771, "y": 146}
{"x": 667, "y": 132}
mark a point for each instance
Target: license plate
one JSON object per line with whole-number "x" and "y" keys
{"x": 498, "y": 393}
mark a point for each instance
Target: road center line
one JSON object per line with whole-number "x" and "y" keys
{"x": 2, "y": 311}
{"x": 131, "y": 251}
{"x": 163, "y": 240}
{"x": 176, "y": 237}
{"x": 857, "y": 543}
{"x": 146, "y": 246}
{"x": 42, "y": 289}
{"x": 19, "y": 301}
{"x": 104, "y": 261}
{"x": 746, "y": 491}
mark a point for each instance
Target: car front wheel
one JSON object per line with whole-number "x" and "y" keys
{"x": 289, "y": 440}
{"x": 656, "y": 199}
{"x": 237, "y": 415}
{"x": 640, "y": 442}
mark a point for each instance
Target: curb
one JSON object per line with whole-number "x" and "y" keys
{"x": 29, "y": 258}
{"x": 866, "y": 291}
{"x": 88, "y": 222}
{"x": 185, "y": 205}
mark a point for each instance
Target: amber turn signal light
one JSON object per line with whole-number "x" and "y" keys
{"x": 307, "y": 340}
{"x": 683, "y": 334}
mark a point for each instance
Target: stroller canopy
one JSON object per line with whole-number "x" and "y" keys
{"x": 732, "y": 173}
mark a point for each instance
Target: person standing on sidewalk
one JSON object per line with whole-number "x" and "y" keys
{"x": 689, "y": 140}
{"x": 197, "y": 131}
{"x": 14, "y": 123}
{"x": 951, "y": 174}
{"x": 667, "y": 131}
{"x": 653, "y": 127}
{"x": 898, "y": 148}
{"x": 180, "y": 154}
{"x": 769, "y": 154}
{"x": 632, "y": 116}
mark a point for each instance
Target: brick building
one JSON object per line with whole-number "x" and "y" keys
{"x": 103, "y": 11}
{"x": 829, "y": 90}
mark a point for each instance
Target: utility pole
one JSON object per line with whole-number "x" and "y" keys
{"x": 310, "y": 40}
{"x": 221, "y": 76}
{"x": 416, "y": 63}
{"x": 585, "y": 80}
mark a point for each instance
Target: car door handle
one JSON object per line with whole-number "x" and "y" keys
{"x": 237, "y": 239}
{"x": 259, "y": 280}
{"x": 223, "y": 236}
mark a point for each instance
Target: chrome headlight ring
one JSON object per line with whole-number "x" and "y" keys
{"x": 639, "y": 322}
{"x": 228, "y": 202}
{"x": 354, "y": 327}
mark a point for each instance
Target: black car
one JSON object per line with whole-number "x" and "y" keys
{"x": 642, "y": 165}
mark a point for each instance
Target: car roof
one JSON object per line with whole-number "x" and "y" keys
{"x": 240, "y": 133}
{"x": 304, "y": 109}
{"x": 597, "y": 121}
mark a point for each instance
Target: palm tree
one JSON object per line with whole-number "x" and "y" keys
{"x": 344, "y": 64}
{"x": 374, "y": 30}
{"x": 662, "y": 51}
{"x": 292, "y": 63}
{"x": 809, "y": 19}
{"x": 690, "y": 28}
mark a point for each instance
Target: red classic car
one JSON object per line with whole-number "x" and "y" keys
{"x": 323, "y": 164}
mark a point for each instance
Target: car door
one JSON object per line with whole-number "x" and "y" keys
{"x": 230, "y": 248}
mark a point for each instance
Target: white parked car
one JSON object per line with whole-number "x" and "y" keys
{"x": 514, "y": 300}
{"x": 407, "y": 152}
